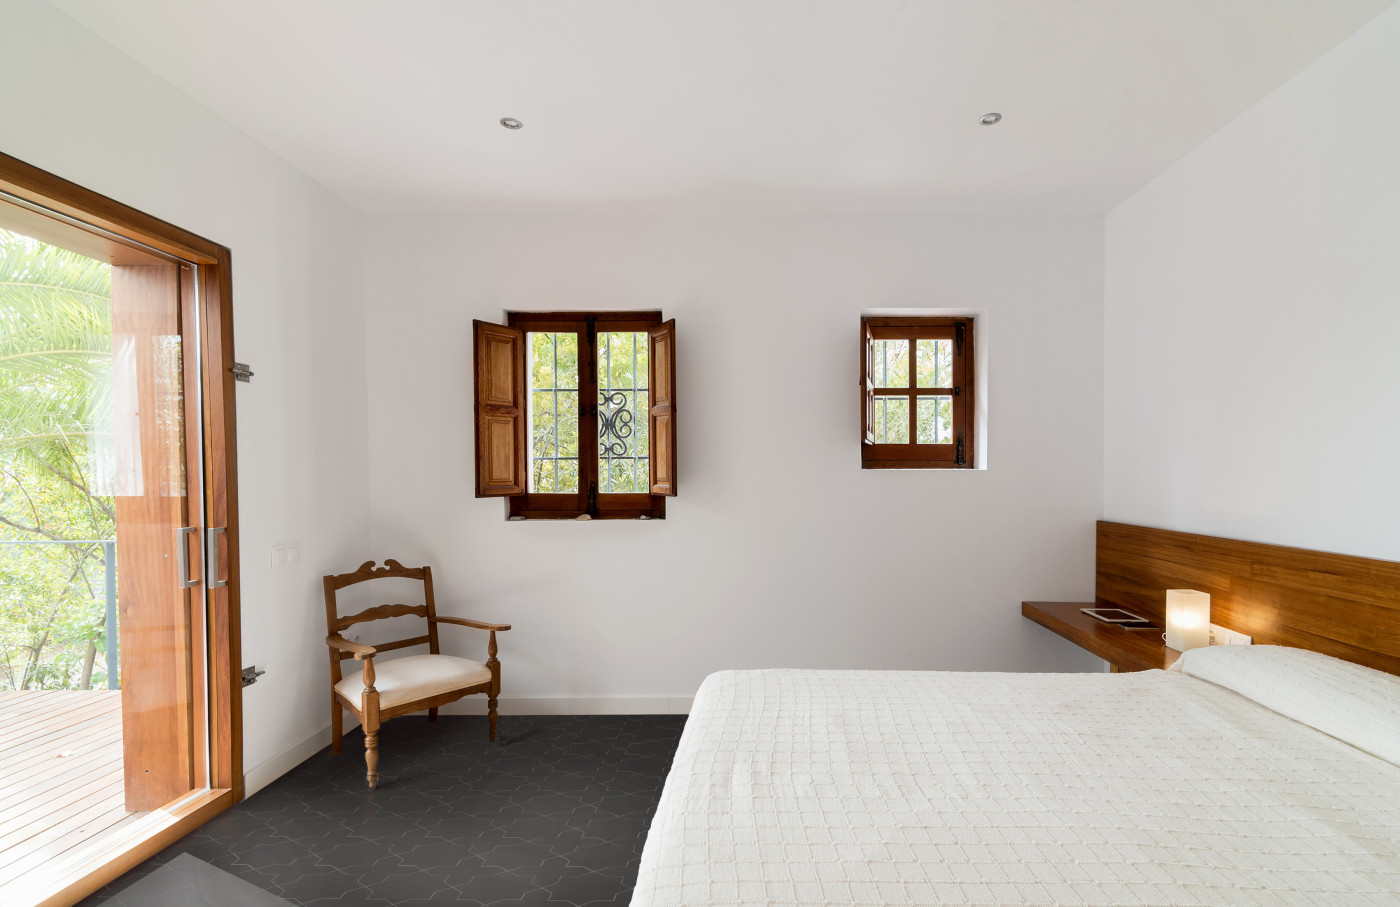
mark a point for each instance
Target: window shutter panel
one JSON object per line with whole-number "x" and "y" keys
{"x": 662, "y": 381}
{"x": 867, "y": 370}
{"x": 500, "y": 409}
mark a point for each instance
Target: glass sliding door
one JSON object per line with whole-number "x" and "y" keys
{"x": 104, "y": 692}
{"x": 159, "y": 529}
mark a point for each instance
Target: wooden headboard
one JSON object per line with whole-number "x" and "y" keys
{"x": 1331, "y": 603}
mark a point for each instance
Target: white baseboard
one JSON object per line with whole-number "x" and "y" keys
{"x": 574, "y": 705}
{"x": 269, "y": 770}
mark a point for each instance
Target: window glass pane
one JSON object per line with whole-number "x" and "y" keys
{"x": 542, "y": 419}
{"x": 643, "y": 425}
{"x": 553, "y": 415}
{"x": 622, "y": 359}
{"x": 935, "y": 420}
{"x": 622, "y": 412}
{"x": 568, "y": 475}
{"x": 620, "y": 477}
{"x": 541, "y": 359}
{"x": 542, "y": 477}
{"x": 566, "y": 408}
{"x": 568, "y": 360}
{"x": 935, "y": 362}
{"x": 891, "y": 420}
{"x": 890, "y": 362}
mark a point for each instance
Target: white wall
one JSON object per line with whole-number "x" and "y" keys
{"x": 1252, "y": 317}
{"x": 77, "y": 107}
{"x": 780, "y": 550}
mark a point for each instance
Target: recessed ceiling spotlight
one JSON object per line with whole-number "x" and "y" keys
{"x": 990, "y": 119}
{"x": 511, "y": 123}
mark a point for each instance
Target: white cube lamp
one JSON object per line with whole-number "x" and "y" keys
{"x": 1188, "y": 619}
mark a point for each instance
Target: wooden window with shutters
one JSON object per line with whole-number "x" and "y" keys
{"x": 576, "y": 414}
{"x": 916, "y": 377}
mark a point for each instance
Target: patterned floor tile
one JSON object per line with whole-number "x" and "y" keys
{"x": 555, "y": 816}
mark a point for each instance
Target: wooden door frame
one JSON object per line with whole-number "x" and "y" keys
{"x": 44, "y": 189}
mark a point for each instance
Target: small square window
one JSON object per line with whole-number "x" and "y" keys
{"x": 917, "y": 381}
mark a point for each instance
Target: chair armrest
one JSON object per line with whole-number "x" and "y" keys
{"x": 357, "y": 649}
{"x": 464, "y": 622}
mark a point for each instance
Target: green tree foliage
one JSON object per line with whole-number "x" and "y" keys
{"x": 554, "y": 413}
{"x": 55, "y": 436}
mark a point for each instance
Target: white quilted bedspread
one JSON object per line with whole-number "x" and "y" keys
{"x": 893, "y": 787}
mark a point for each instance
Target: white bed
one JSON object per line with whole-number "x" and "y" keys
{"x": 843, "y": 787}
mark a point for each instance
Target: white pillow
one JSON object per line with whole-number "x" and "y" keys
{"x": 1355, "y": 704}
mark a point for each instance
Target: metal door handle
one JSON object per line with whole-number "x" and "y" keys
{"x": 211, "y": 556}
{"x": 182, "y": 555}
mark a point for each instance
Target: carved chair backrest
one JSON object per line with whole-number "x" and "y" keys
{"x": 366, "y": 572}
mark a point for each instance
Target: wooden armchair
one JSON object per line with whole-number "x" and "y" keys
{"x": 402, "y": 685}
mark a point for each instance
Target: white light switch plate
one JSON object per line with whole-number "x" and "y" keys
{"x": 282, "y": 555}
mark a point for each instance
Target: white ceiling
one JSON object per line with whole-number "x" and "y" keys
{"x": 749, "y": 105}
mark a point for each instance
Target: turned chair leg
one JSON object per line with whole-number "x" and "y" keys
{"x": 337, "y": 726}
{"x": 432, "y": 716}
{"x": 372, "y": 760}
{"x": 494, "y": 666}
{"x": 371, "y": 725}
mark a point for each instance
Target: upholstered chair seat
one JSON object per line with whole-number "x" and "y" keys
{"x": 416, "y": 677}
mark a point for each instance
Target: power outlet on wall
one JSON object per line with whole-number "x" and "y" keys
{"x": 1223, "y": 636}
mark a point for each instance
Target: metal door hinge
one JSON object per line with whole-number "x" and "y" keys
{"x": 592, "y": 498}
{"x": 962, "y": 453}
{"x": 241, "y": 372}
{"x": 251, "y": 675}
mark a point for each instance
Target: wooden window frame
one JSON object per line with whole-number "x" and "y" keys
{"x": 962, "y": 453}
{"x": 225, "y": 701}
{"x": 537, "y": 506}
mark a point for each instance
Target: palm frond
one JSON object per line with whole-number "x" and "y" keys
{"x": 55, "y": 348}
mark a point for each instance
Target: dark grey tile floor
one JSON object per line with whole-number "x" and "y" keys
{"x": 556, "y": 815}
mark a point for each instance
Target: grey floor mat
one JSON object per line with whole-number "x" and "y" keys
{"x": 188, "y": 880}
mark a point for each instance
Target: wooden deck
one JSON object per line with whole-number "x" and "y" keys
{"x": 61, "y": 797}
